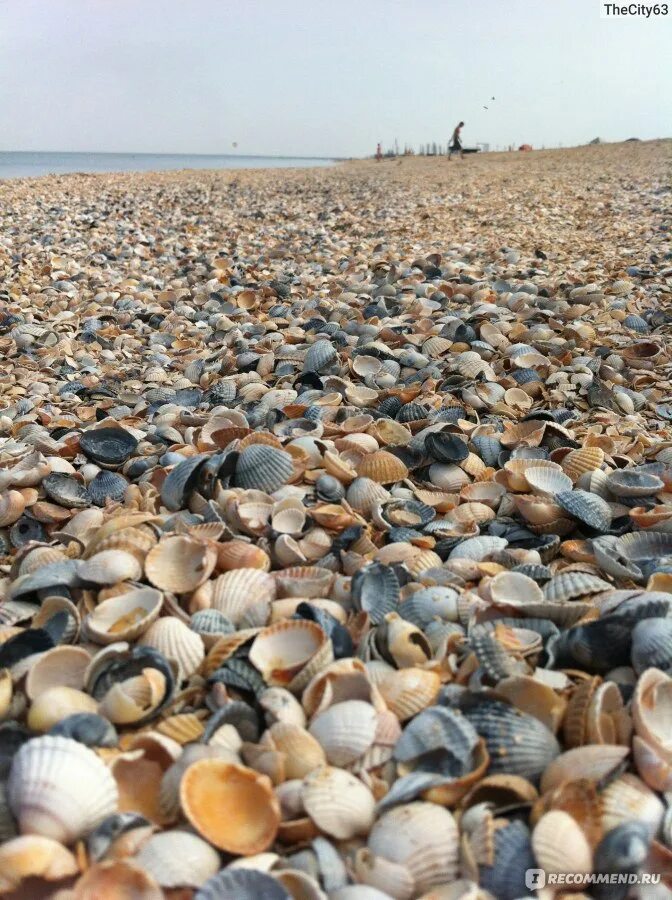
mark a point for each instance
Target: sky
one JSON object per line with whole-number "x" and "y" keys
{"x": 326, "y": 77}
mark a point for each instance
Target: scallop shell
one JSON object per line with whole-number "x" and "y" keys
{"x": 110, "y": 567}
{"x": 571, "y": 585}
{"x": 109, "y": 447}
{"x": 211, "y": 785}
{"x": 241, "y": 555}
{"x": 515, "y": 589}
{"x": 178, "y": 859}
{"x": 280, "y": 652}
{"x": 576, "y": 462}
{"x": 59, "y": 789}
{"x": 364, "y": 493}
{"x": 592, "y": 763}
{"x": 345, "y": 731}
{"x": 242, "y": 884}
{"x": 62, "y": 665}
{"x": 179, "y": 564}
{"x": 382, "y": 467}
{"x": 56, "y": 703}
{"x": 478, "y": 548}
{"x": 210, "y": 625}
{"x": 560, "y": 845}
{"x": 32, "y": 856}
{"x": 408, "y": 691}
{"x": 423, "y": 837}
{"x": 176, "y": 642}
{"x": 244, "y": 596}
{"x": 124, "y": 618}
{"x": 302, "y": 751}
{"x": 587, "y": 508}
{"x": 633, "y": 483}
{"x": 338, "y": 802}
{"x": 263, "y": 468}
{"x": 628, "y": 798}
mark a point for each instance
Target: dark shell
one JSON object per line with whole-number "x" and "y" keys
{"x": 412, "y": 412}
{"x": 20, "y": 646}
{"x": 106, "y": 833}
{"x": 239, "y": 674}
{"x": 390, "y": 406}
{"x": 446, "y": 447}
{"x": 375, "y": 589}
{"x": 505, "y": 879}
{"x": 428, "y": 604}
{"x": 438, "y": 740}
{"x": 491, "y": 656}
{"x": 241, "y": 884}
{"x": 652, "y": 645}
{"x": 595, "y": 647}
{"x": 243, "y": 718}
{"x": 129, "y": 664}
{"x": 339, "y": 634}
{"x": 106, "y": 487}
{"x": 211, "y": 621}
{"x": 87, "y": 728}
{"x": 65, "y": 490}
{"x": 26, "y": 530}
{"x": 623, "y": 850}
{"x": 319, "y": 356}
{"x": 263, "y": 468}
{"x": 518, "y": 744}
{"x": 329, "y": 489}
{"x": 55, "y": 575}
{"x": 488, "y": 448}
{"x": 180, "y": 482}
{"x": 108, "y": 447}
{"x": 410, "y": 787}
{"x": 587, "y": 508}
{"x": 636, "y": 323}
{"x": 535, "y": 571}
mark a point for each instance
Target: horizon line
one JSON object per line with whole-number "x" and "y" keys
{"x": 181, "y": 153}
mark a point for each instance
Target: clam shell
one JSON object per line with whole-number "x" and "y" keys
{"x": 280, "y": 652}
{"x": 338, "y": 803}
{"x": 62, "y": 665}
{"x": 302, "y": 750}
{"x": 242, "y": 884}
{"x": 478, "y": 548}
{"x": 560, "y": 845}
{"x": 110, "y": 567}
{"x": 633, "y": 483}
{"x": 408, "y": 691}
{"x": 32, "y": 856}
{"x": 54, "y": 704}
{"x": 117, "y": 879}
{"x": 59, "y": 789}
{"x": 263, "y": 468}
{"x": 250, "y": 826}
{"x": 364, "y": 493}
{"x": 382, "y": 467}
{"x": 125, "y": 617}
{"x": 652, "y": 645}
{"x": 179, "y": 564}
{"x": 422, "y": 837}
{"x": 176, "y": 642}
{"x": 244, "y": 596}
{"x": 571, "y": 585}
{"x": 628, "y": 798}
{"x": 178, "y": 859}
{"x": 89, "y": 729}
{"x": 587, "y": 508}
{"x": 591, "y": 763}
{"x": 109, "y": 447}
{"x": 584, "y": 460}
{"x": 65, "y": 490}
{"x": 345, "y": 731}
{"x": 515, "y": 589}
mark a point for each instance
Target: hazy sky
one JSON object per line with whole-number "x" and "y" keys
{"x": 326, "y": 77}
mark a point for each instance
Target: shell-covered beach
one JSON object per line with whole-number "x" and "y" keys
{"x": 336, "y": 529}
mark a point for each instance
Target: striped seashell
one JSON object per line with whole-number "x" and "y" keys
{"x": 177, "y": 642}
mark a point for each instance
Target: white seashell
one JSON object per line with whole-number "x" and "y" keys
{"x": 110, "y": 567}
{"x": 177, "y": 642}
{"x": 60, "y": 789}
{"x": 125, "y": 617}
{"x": 337, "y": 802}
{"x": 178, "y": 859}
{"x": 345, "y": 731}
{"x": 244, "y": 596}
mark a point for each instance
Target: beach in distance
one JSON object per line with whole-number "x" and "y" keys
{"x": 25, "y": 164}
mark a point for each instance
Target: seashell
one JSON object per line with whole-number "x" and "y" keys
{"x": 576, "y": 462}
{"x": 302, "y": 751}
{"x": 515, "y": 589}
{"x": 591, "y": 763}
{"x": 210, "y": 785}
{"x": 423, "y": 838}
{"x": 65, "y": 490}
{"x": 628, "y": 798}
{"x": 244, "y": 596}
{"x": 178, "y": 859}
{"x": 652, "y": 710}
{"x": 319, "y": 356}
{"x": 517, "y": 744}
{"x": 513, "y": 857}
{"x": 108, "y": 447}
{"x": 110, "y": 567}
{"x": 587, "y": 508}
{"x": 345, "y": 731}
{"x": 478, "y": 548}
{"x": 54, "y": 704}
{"x": 392, "y": 879}
{"x": 571, "y": 585}
{"x": 89, "y": 729}
{"x": 560, "y": 845}
{"x": 280, "y": 652}
{"x": 263, "y": 468}
{"x": 242, "y": 884}
{"x": 117, "y": 879}
{"x": 124, "y": 618}
{"x": 407, "y": 692}
{"x": 652, "y": 645}
{"x": 32, "y": 856}
{"x": 179, "y": 564}
{"x": 59, "y": 789}
{"x": 338, "y": 803}
{"x": 61, "y": 665}
{"x": 12, "y": 505}
{"x": 241, "y": 555}
{"x": 448, "y": 477}
{"x": 135, "y": 699}
{"x": 633, "y": 483}
{"x": 181, "y": 482}
{"x": 210, "y": 625}
{"x": 176, "y": 642}
{"x": 107, "y": 487}
{"x": 382, "y": 467}
{"x": 363, "y": 494}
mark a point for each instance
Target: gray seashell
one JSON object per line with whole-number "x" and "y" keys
{"x": 439, "y": 740}
{"x": 105, "y": 487}
{"x": 478, "y": 548}
{"x": 329, "y": 489}
{"x": 622, "y": 851}
{"x": 181, "y": 481}
{"x": 241, "y": 884}
{"x": 87, "y": 728}
{"x": 595, "y": 647}
{"x": 211, "y": 621}
{"x": 488, "y": 448}
{"x": 445, "y": 447}
{"x": 66, "y": 491}
{"x": 587, "y": 508}
{"x": 410, "y": 787}
{"x": 57, "y": 574}
{"x": 636, "y": 323}
{"x": 652, "y": 645}
{"x": 505, "y": 879}
{"x": 319, "y": 356}
{"x": 375, "y": 589}
{"x": 263, "y": 468}
{"x": 333, "y": 873}
{"x": 237, "y": 713}
{"x": 518, "y": 744}
{"x": 26, "y": 530}
{"x": 571, "y": 585}
{"x": 633, "y": 483}
{"x": 491, "y": 656}
{"x": 611, "y": 558}
{"x": 535, "y": 571}
{"x": 430, "y": 603}
{"x": 108, "y": 447}
{"x": 106, "y": 833}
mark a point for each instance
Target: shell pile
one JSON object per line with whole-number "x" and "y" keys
{"x": 336, "y": 536}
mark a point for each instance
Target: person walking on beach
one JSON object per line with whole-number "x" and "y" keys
{"x": 456, "y": 143}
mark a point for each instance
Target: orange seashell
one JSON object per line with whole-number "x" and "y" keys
{"x": 382, "y": 467}
{"x": 211, "y": 786}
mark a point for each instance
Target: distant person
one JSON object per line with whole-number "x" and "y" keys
{"x": 379, "y": 152}
{"x": 456, "y": 143}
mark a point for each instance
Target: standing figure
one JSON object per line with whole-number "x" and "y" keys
{"x": 379, "y": 152}
{"x": 456, "y": 143}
